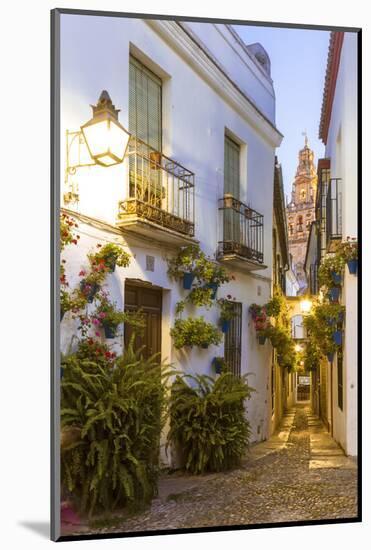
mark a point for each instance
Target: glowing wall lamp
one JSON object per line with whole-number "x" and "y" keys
{"x": 106, "y": 139}
{"x": 305, "y": 306}
{"x": 102, "y": 140}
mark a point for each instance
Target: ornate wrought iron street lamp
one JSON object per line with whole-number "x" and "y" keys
{"x": 106, "y": 139}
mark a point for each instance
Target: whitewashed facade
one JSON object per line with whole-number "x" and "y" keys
{"x": 337, "y": 212}
{"x": 212, "y": 87}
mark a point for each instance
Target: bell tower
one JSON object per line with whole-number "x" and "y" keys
{"x": 300, "y": 211}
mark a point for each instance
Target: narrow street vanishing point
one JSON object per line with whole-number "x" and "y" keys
{"x": 299, "y": 474}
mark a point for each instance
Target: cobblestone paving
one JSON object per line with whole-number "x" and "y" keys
{"x": 277, "y": 487}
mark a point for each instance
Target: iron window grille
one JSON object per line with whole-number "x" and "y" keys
{"x": 232, "y": 343}
{"x": 242, "y": 230}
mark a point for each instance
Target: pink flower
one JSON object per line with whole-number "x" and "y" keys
{"x": 82, "y": 273}
{"x": 102, "y": 315}
{"x": 95, "y": 322}
{"x": 97, "y": 334}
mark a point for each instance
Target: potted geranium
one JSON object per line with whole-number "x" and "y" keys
{"x": 227, "y": 312}
{"x": 349, "y": 252}
{"x": 260, "y": 320}
{"x": 111, "y": 254}
{"x": 108, "y": 316}
{"x": 91, "y": 281}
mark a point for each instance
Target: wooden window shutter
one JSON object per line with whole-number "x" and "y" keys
{"x": 231, "y": 167}
{"x": 145, "y": 99}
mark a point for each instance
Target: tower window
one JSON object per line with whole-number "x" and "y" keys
{"x": 300, "y": 223}
{"x": 302, "y": 194}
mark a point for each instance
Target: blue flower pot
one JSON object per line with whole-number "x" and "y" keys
{"x": 62, "y": 372}
{"x": 217, "y": 365}
{"x": 109, "y": 331}
{"x": 92, "y": 292}
{"x": 336, "y": 277}
{"x": 204, "y": 346}
{"x": 111, "y": 264}
{"x": 214, "y": 288}
{"x": 225, "y": 325}
{"x": 261, "y": 340}
{"x": 188, "y": 278}
{"x": 337, "y": 337}
{"x": 353, "y": 266}
{"x": 330, "y": 357}
{"x": 334, "y": 294}
{"x": 62, "y": 313}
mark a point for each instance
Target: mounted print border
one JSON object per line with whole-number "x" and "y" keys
{"x": 205, "y": 355}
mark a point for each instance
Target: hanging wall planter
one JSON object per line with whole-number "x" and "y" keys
{"x": 352, "y": 266}
{"x": 337, "y": 337}
{"x": 262, "y": 339}
{"x": 218, "y": 363}
{"x": 109, "y": 331}
{"x": 89, "y": 290}
{"x": 330, "y": 357}
{"x": 188, "y": 278}
{"x": 204, "y": 345}
{"x": 111, "y": 264}
{"x": 214, "y": 287}
{"x": 225, "y": 324}
{"x": 336, "y": 277}
{"x": 334, "y": 294}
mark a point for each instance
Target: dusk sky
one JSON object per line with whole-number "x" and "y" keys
{"x": 298, "y": 64}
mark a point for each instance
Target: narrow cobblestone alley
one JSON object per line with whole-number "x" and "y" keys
{"x": 299, "y": 474}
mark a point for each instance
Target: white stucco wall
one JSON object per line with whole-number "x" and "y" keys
{"x": 95, "y": 56}
{"x": 342, "y": 149}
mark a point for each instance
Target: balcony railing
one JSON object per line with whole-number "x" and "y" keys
{"x": 333, "y": 211}
{"x": 242, "y": 231}
{"x": 160, "y": 191}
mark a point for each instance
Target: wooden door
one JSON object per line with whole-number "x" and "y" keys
{"x": 150, "y": 301}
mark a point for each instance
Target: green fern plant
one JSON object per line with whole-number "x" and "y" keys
{"x": 208, "y": 424}
{"x": 119, "y": 413}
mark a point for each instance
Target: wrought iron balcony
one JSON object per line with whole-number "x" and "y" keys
{"x": 333, "y": 214}
{"x": 242, "y": 242}
{"x": 160, "y": 196}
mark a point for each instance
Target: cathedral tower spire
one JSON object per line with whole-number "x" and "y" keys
{"x": 300, "y": 211}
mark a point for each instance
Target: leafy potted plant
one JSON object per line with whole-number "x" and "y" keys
{"x": 111, "y": 254}
{"x": 330, "y": 275}
{"x": 213, "y": 275}
{"x": 349, "y": 252}
{"x": 194, "y": 332}
{"x": 200, "y": 297}
{"x": 184, "y": 265}
{"x": 227, "y": 312}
